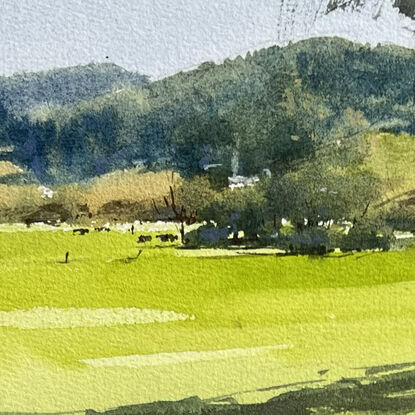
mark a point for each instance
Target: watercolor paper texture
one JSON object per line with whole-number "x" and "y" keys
{"x": 207, "y": 207}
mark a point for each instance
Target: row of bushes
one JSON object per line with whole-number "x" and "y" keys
{"x": 317, "y": 240}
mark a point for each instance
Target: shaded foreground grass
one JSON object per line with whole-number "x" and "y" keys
{"x": 336, "y": 314}
{"x": 392, "y": 393}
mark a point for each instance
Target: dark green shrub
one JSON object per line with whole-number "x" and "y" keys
{"x": 314, "y": 241}
{"x": 367, "y": 236}
{"x": 207, "y": 236}
{"x": 401, "y": 218}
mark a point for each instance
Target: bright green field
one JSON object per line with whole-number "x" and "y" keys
{"x": 337, "y": 313}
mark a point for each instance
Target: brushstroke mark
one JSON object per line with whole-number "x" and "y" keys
{"x": 54, "y": 318}
{"x": 159, "y": 359}
{"x": 407, "y": 7}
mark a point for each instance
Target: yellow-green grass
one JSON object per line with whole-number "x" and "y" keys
{"x": 132, "y": 184}
{"x": 121, "y": 185}
{"x": 335, "y": 313}
{"x": 6, "y": 168}
{"x": 393, "y": 159}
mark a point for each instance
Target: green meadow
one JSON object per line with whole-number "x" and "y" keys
{"x": 306, "y": 147}
{"x": 296, "y": 315}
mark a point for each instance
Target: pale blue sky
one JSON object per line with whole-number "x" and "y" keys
{"x": 156, "y": 37}
{"x": 161, "y": 37}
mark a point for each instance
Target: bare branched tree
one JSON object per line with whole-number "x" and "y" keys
{"x": 181, "y": 215}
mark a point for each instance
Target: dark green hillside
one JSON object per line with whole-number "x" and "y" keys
{"x": 66, "y": 86}
{"x": 264, "y": 111}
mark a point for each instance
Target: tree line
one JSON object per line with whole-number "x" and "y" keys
{"x": 272, "y": 108}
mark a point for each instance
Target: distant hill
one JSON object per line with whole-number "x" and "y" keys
{"x": 262, "y": 111}
{"x": 65, "y": 86}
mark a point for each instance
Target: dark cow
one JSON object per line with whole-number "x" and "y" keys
{"x": 167, "y": 237}
{"x": 144, "y": 238}
{"x": 81, "y": 231}
{"x": 102, "y": 229}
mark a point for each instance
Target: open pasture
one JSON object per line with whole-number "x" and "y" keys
{"x": 109, "y": 329}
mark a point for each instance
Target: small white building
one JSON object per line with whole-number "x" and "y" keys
{"x": 242, "y": 181}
